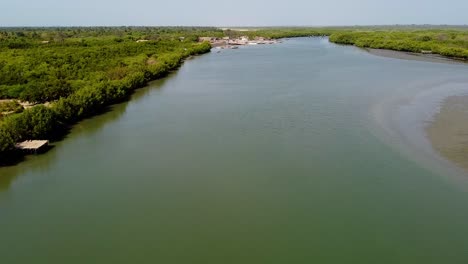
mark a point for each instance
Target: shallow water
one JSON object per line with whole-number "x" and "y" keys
{"x": 299, "y": 152}
{"x": 448, "y": 131}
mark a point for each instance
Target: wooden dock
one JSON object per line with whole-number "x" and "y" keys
{"x": 32, "y": 146}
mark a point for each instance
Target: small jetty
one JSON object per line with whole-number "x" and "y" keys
{"x": 32, "y": 146}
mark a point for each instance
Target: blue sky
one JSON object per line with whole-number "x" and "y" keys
{"x": 231, "y": 13}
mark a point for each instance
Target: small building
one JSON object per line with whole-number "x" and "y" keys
{"x": 209, "y": 39}
{"x": 45, "y": 42}
{"x": 142, "y": 40}
{"x": 32, "y": 146}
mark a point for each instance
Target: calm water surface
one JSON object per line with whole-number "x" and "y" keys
{"x": 303, "y": 152}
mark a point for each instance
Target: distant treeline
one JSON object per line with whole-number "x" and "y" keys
{"x": 449, "y": 43}
{"x": 79, "y": 71}
{"x": 276, "y": 33}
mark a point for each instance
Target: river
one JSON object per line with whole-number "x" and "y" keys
{"x": 300, "y": 152}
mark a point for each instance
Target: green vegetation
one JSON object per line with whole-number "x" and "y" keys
{"x": 10, "y": 107}
{"x": 79, "y": 71}
{"x": 449, "y": 43}
{"x": 72, "y": 73}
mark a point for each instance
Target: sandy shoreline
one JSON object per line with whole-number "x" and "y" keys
{"x": 448, "y": 132}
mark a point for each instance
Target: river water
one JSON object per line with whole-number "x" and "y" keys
{"x": 301, "y": 152}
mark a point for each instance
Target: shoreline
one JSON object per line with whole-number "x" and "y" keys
{"x": 412, "y": 56}
{"x": 15, "y": 156}
{"x": 448, "y": 130}
{"x": 402, "y": 120}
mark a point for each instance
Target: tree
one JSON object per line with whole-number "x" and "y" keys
{"x": 7, "y": 142}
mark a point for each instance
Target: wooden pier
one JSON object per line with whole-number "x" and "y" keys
{"x": 32, "y": 146}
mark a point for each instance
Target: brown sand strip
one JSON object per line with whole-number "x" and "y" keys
{"x": 448, "y": 132}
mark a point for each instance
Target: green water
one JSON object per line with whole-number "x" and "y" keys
{"x": 293, "y": 153}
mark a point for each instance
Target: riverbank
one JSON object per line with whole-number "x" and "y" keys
{"x": 448, "y": 43}
{"x": 150, "y": 60}
{"x": 403, "y": 55}
{"x": 448, "y": 131}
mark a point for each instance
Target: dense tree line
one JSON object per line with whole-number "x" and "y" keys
{"x": 449, "y": 43}
{"x": 81, "y": 73}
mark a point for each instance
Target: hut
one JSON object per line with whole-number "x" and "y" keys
{"x": 202, "y": 39}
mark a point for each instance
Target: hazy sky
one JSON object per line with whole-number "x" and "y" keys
{"x": 231, "y": 13}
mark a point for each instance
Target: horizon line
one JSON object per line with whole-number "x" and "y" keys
{"x": 238, "y": 26}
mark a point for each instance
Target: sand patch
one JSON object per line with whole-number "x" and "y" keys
{"x": 448, "y": 132}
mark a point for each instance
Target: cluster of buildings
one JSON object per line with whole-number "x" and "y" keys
{"x": 227, "y": 42}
